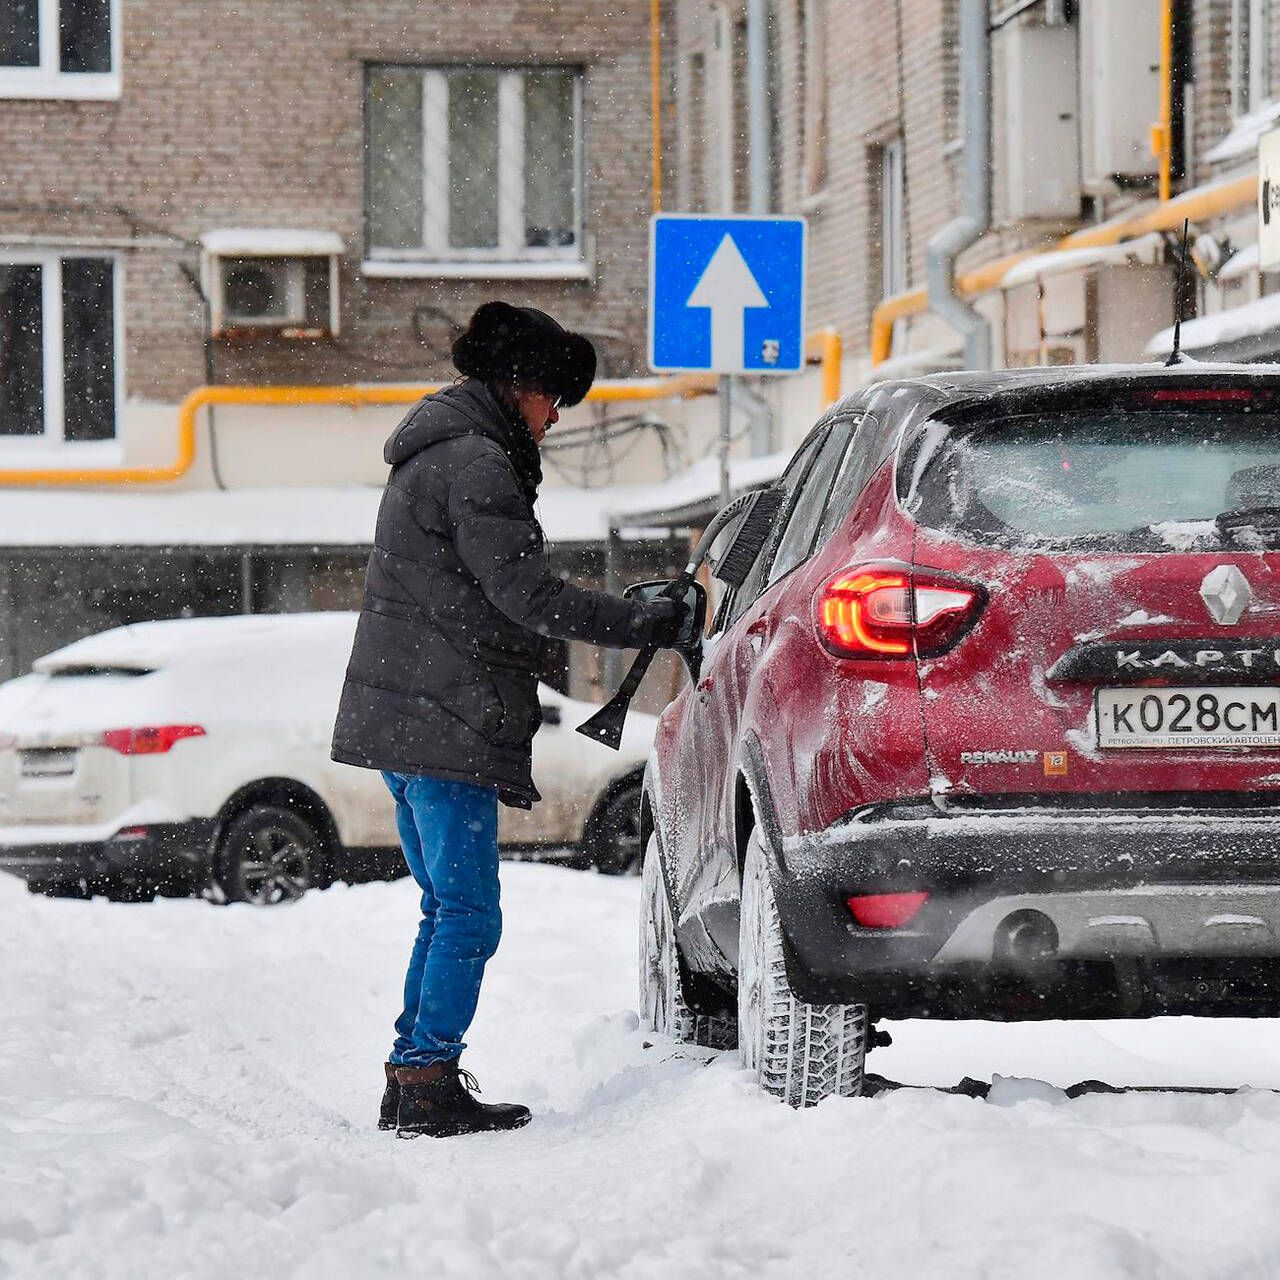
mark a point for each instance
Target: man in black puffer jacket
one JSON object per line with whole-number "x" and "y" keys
{"x": 441, "y": 691}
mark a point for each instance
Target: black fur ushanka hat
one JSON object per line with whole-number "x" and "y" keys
{"x": 525, "y": 346}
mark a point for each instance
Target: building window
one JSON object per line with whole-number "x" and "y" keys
{"x": 59, "y": 48}
{"x": 1250, "y": 54}
{"x": 474, "y": 165}
{"x": 59, "y": 334}
{"x": 893, "y": 223}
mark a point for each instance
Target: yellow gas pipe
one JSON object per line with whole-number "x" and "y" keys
{"x": 822, "y": 347}
{"x": 1204, "y": 202}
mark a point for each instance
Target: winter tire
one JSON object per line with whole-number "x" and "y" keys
{"x": 798, "y": 1052}
{"x": 61, "y": 888}
{"x": 128, "y": 890}
{"x": 662, "y": 1002}
{"x": 268, "y": 856}
{"x": 612, "y": 840}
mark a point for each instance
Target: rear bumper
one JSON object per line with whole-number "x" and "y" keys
{"x": 1033, "y": 899}
{"x": 170, "y": 853}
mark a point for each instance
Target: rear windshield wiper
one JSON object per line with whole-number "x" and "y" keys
{"x": 1261, "y": 522}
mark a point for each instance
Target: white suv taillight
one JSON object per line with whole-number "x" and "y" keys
{"x": 151, "y": 740}
{"x": 887, "y": 611}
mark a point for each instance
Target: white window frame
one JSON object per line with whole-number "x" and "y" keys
{"x": 893, "y": 230}
{"x": 53, "y": 440}
{"x": 511, "y": 258}
{"x": 48, "y": 80}
{"x": 1251, "y": 56}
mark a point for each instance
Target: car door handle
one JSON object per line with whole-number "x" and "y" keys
{"x": 757, "y": 633}
{"x": 706, "y": 687}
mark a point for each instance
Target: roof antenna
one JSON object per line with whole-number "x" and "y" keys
{"x": 1175, "y": 356}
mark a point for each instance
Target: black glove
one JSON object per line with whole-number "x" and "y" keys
{"x": 664, "y": 620}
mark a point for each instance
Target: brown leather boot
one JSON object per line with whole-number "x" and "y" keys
{"x": 437, "y": 1101}
{"x": 390, "y": 1100}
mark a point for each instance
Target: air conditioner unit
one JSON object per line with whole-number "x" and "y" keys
{"x": 1121, "y": 69}
{"x": 263, "y": 291}
{"x": 1041, "y": 123}
{"x": 283, "y": 282}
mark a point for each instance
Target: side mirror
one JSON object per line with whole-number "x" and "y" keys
{"x": 689, "y": 643}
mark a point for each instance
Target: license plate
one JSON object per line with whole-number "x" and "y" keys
{"x": 46, "y": 762}
{"x": 1222, "y": 717}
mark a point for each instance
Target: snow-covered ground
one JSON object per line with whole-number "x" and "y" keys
{"x": 189, "y": 1091}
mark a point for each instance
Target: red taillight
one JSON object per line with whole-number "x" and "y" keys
{"x": 888, "y": 613}
{"x": 886, "y": 910}
{"x": 149, "y": 741}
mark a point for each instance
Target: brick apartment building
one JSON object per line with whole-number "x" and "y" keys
{"x": 301, "y": 193}
{"x": 868, "y": 142}
{"x": 436, "y": 152}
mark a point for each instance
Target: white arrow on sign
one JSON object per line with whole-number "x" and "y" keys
{"x": 727, "y": 288}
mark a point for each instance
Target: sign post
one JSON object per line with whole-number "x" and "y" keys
{"x": 726, "y": 296}
{"x": 725, "y": 394}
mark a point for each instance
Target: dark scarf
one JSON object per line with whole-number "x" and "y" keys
{"x": 520, "y": 446}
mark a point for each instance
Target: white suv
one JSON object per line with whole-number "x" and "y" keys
{"x": 192, "y": 753}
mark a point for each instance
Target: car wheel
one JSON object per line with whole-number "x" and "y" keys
{"x": 612, "y": 840}
{"x": 61, "y": 888}
{"x": 662, "y": 1002}
{"x": 267, "y": 856}
{"x": 128, "y": 890}
{"x": 798, "y": 1052}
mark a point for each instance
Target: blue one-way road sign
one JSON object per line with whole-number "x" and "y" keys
{"x": 726, "y": 295}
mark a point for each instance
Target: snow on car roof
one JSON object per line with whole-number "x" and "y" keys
{"x": 146, "y": 645}
{"x": 976, "y": 385}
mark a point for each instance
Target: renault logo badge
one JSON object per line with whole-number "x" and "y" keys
{"x": 1225, "y": 591}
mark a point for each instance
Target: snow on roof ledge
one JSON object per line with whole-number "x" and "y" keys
{"x": 1241, "y": 263}
{"x": 1243, "y": 138}
{"x": 270, "y": 242}
{"x": 1249, "y": 321}
{"x": 337, "y": 516}
{"x": 630, "y": 505}
{"x": 914, "y": 364}
{"x": 1245, "y": 262}
{"x": 1145, "y": 249}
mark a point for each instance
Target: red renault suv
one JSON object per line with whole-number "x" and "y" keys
{"x": 990, "y": 728}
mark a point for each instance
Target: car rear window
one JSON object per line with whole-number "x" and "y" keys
{"x": 1146, "y": 480}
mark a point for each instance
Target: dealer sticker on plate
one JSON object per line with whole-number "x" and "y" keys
{"x": 1217, "y": 717}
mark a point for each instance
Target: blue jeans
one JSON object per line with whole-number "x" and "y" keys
{"x": 449, "y": 833}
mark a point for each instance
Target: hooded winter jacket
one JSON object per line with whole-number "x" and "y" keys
{"x": 459, "y": 595}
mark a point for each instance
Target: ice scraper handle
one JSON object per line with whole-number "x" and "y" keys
{"x": 606, "y": 725}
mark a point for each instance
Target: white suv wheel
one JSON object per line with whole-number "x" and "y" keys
{"x": 798, "y": 1052}
{"x": 662, "y": 1004}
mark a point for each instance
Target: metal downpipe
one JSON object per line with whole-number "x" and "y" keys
{"x": 758, "y": 116}
{"x": 944, "y": 248}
